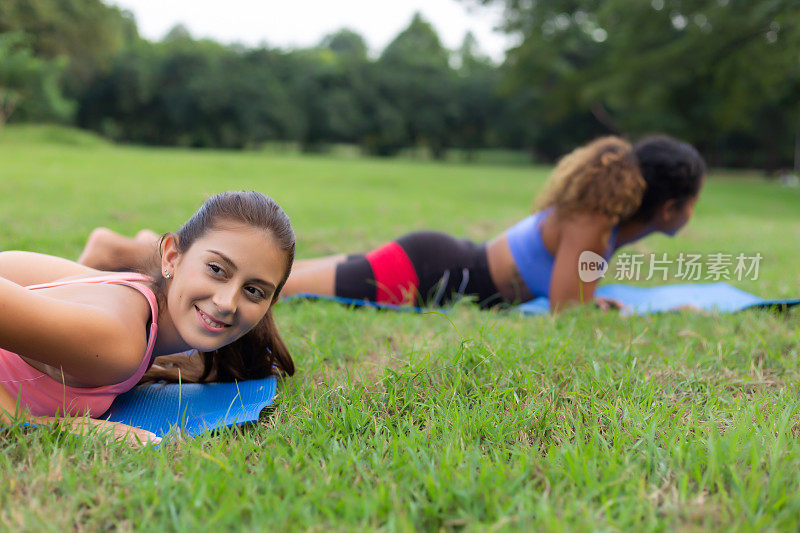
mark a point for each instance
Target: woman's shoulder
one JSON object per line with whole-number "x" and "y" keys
{"x": 129, "y": 316}
{"x": 586, "y": 228}
{"x": 128, "y": 307}
{"x": 120, "y": 299}
{"x": 584, "y": 220}
{"x": 92, "y": 331}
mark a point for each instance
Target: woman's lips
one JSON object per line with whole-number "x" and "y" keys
{"x": 215, "y": 326}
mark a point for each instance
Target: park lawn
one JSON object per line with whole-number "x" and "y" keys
{"x": 470, "y": 419}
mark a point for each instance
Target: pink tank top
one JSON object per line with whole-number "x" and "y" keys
{"x": 45, "y": 396}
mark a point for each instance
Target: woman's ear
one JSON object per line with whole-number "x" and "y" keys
{"x": 668, "y": 210}
{"x": 170, "y": 254}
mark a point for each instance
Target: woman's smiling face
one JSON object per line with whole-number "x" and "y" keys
{"x": 223, "y": 285}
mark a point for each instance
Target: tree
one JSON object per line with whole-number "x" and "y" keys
{"x": 476, "y": 96}
{"x": 346, "y": 44}
{"x": 192, "y": 93}
{"x": 88, "y": 32}
{"x": 29, "y": 84}
{"x": 415, "y": 76}
{"x": 704, "y": 70}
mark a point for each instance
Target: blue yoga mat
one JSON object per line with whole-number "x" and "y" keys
{"x": 716, "y": 297}
{"x": 720, "y": 297}
{"x": 190, "y": 407}
{"x": 355, "y": 303}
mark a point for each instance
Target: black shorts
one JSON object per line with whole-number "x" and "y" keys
{"x": 426, "y": 268}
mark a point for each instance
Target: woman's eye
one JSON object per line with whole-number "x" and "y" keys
{"x": 256, "y": 292}
{"x": 216, "y": 269}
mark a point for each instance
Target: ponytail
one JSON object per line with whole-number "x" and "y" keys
{"x": 601, "y": 177}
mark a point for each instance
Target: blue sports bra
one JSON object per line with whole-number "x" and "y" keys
{"x": 534, "y": 262}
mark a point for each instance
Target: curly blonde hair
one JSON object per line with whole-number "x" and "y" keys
{"x": 600, "y": 177}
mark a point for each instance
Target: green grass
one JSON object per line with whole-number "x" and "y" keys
{"x": 473, "y": 420}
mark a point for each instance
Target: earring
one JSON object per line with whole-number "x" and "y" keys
{"x": 167, "y": 274}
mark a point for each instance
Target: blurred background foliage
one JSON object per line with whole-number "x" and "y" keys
{"x": 722, "y": 74}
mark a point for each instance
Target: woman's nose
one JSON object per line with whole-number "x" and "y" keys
{"x": 226, "y": 300}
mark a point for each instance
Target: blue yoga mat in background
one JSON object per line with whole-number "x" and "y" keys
{"x": 715, "y": 297}
{"x": 720, "y": 297}
{"x": 355, "y": 303}
{"x": 190, "y": 407}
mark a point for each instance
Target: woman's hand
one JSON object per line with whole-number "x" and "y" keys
{"x": 609, "y": 304}
{"x": 83, "y": 426}
{"x": 689, "y": 308}
{"x": 113, "y": 431}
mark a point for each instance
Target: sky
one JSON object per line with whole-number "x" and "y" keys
{"x": 303, "y": 23}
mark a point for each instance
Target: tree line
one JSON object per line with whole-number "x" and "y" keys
{"x": 722, "y": 74}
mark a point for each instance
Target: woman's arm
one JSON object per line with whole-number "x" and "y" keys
{"x": 29, "y": 268}
{"x": 577, "y": 235}
{"x": 8, "y": 407}
{"x": 85, "y": 426}
{"x": 82, "y": 339}
{"x": 78, "y": 425}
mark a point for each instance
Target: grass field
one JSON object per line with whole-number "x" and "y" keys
{"x": 471, "y": 420}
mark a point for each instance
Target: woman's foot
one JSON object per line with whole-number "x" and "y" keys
{"x": 108, "y": 250}
{"x": 147, "y": 236}
{"x": 96, "y": 251}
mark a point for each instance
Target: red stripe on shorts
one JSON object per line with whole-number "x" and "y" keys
{"x": 395, "y": 278}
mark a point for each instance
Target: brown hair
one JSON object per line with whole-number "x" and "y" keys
{"x": 260, "y": 352}
{"x": 602, "y": 177}
{"x": 673, "y": 170}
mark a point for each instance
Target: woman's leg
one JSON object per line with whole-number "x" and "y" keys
{"x": 386, "y": 275}
{"x": 108, "y": 250}
{"x": 318, "y": 276}
{"x": 318, "y": 262}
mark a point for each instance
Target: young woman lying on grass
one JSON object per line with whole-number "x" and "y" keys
{"x": 600, "y": 197}
{"x": 72, "y": 338}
